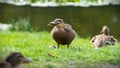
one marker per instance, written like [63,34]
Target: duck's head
[110,40]
[113,40]
[57,22]
[105,30]
[16,58]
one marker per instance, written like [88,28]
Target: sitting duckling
[62,33]
[13,60]
[103,39]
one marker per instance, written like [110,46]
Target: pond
[87,21]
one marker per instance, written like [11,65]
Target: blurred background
[86,16]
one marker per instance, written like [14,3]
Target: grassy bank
[38,47]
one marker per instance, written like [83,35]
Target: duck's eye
[60,20]
[112,39]
[18,55]
[57,22]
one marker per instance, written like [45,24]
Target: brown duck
[62,33]
[103,39]
[13,60]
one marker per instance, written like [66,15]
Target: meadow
[38,47]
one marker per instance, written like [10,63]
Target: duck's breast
[63,36]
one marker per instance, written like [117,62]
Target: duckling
[13,60]
[104,38]
[62,33]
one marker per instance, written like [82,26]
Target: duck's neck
[59,26]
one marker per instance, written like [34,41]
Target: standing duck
[62,33]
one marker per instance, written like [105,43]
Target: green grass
[36,45]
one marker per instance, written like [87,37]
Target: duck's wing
[67,27]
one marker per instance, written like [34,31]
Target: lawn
[38,46]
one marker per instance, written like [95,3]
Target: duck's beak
[51,23]
[26,60]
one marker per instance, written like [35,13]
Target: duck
[13,60]
[103,39]
[62,33]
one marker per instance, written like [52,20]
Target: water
[86,21]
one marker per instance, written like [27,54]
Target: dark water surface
[87,21]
